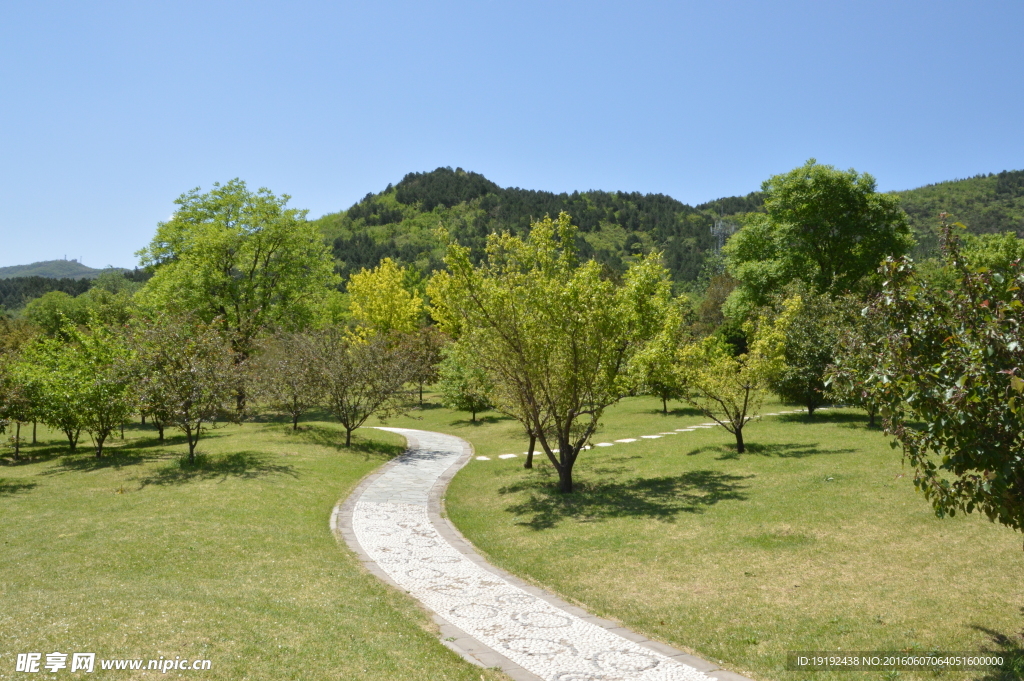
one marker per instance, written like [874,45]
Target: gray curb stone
[470,649]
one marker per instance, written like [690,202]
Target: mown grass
[814,539]
[141,555]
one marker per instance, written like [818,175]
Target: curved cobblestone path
[393,522]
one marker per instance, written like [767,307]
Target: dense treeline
[17,291]
[615,227]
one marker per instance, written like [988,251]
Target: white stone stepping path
[393,522]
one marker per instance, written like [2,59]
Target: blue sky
[110,110]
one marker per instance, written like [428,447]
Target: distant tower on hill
[722,230]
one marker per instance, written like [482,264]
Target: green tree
[812,337]
[858,353]
[824,226]
[83,382]
[655,369]
[463,384]
[50,368]
[727,388]
[949,383]
[360,376]
[53,310]
[381,300]
[554,336]
[184,373]
[240,260]
[284,375]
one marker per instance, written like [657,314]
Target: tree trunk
[143,419]
[72,439]
[160,429]
[565,479]
[122,431]
[664,406]
[192,442]
[348,437]
[295,421]
[100,438]
[529,454]
[421,393]
[871,417]
[739,441]
[474,416]
[810,409]
[33,432]
[17,440]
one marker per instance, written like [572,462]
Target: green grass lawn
[137,556]
[815,539]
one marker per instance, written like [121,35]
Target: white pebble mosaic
[392,525]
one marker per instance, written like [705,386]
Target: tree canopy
[553,335]
[824,226]
[240,258]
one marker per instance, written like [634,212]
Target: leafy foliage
[360,376]
[615,228]
[812,335]
[239,259]
[730,388]
[949,383]
[826,227]
[381,302]
[552,334]
[463,384]
[184,373]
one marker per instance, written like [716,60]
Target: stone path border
[405,491]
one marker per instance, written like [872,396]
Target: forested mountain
[984,203]
[401,221]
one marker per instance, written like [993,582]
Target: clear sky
[110,110]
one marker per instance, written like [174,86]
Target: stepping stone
[667,433]
[650,437]
[712,425]
[627,439]
[684,430]
[507,456]
[604,444]
[483,458]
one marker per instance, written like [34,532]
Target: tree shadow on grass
[244,465]
[334,438]
[1011,648]
[662,498]
[85,459]
[777,450]
[12,487]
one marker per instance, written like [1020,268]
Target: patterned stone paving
[392,524]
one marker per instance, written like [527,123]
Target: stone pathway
[393,522]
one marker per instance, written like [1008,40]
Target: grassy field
[138,556]
[814,539]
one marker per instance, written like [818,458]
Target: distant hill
[53,269]
[984,203]
[401,221]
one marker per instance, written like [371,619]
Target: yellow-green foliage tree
[554,335]
[381,300]
[730,389]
